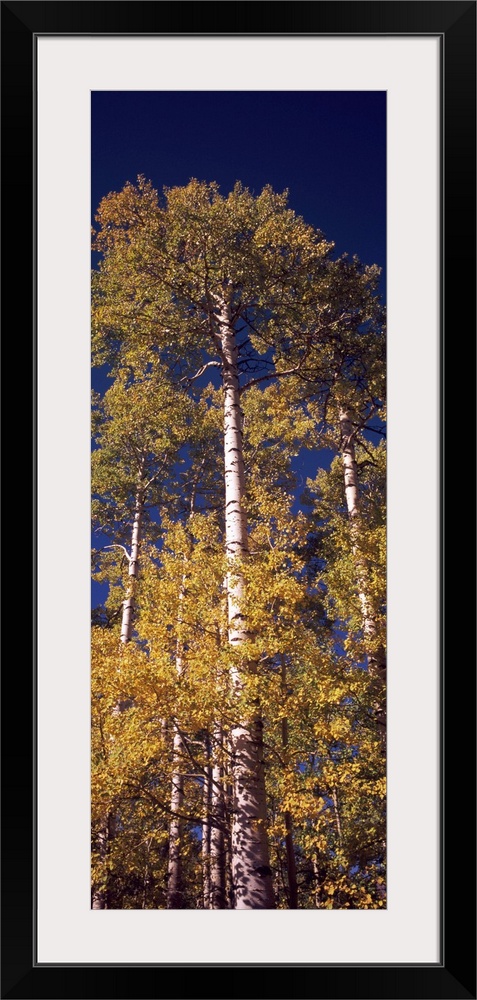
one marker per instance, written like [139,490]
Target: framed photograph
[394,84]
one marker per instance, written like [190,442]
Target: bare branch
[210,364]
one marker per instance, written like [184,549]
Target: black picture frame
[454,975]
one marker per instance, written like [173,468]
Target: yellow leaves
[380,788]
[342,892]
[120,213]
[340,728]
[297,598]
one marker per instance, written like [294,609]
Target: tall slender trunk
[250,855]
[316,872]
[128,603]
[291,863]
[99,901]
[175,884]
[336,812]
[175,896]
[217,838]
[145,881]
[376,656]
[228,800]
[290,848]
[206,809]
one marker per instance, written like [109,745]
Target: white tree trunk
[351,485]
[217,838]
[228,804]
[128,603]
[99,900]
[205,849]
[376,657]
[316,872]
[175,899]
[336,811]
[250,856]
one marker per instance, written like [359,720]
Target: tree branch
[210,364]
[126,553]
[275,374]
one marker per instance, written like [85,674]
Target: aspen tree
[239,287]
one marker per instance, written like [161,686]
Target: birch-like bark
[228,800]
[99,900]
[218,900]
[316,872]
[250,856]
[128,603]
[336,812]
[206,809]
[175,887]
[175,898]
[145,883]
[376,657]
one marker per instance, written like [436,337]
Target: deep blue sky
[327,147]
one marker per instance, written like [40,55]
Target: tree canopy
[238,665]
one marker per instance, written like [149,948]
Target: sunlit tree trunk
[228,801]
[175,897]
[175,887]
[376,655]
[101,896]
[128,603]
[250,854]
[99,899]
[316,872]
[217,838]
[145,883]
[206,809]
[336,811]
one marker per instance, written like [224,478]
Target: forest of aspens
[238,509]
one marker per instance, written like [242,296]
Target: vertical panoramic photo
[238,639]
